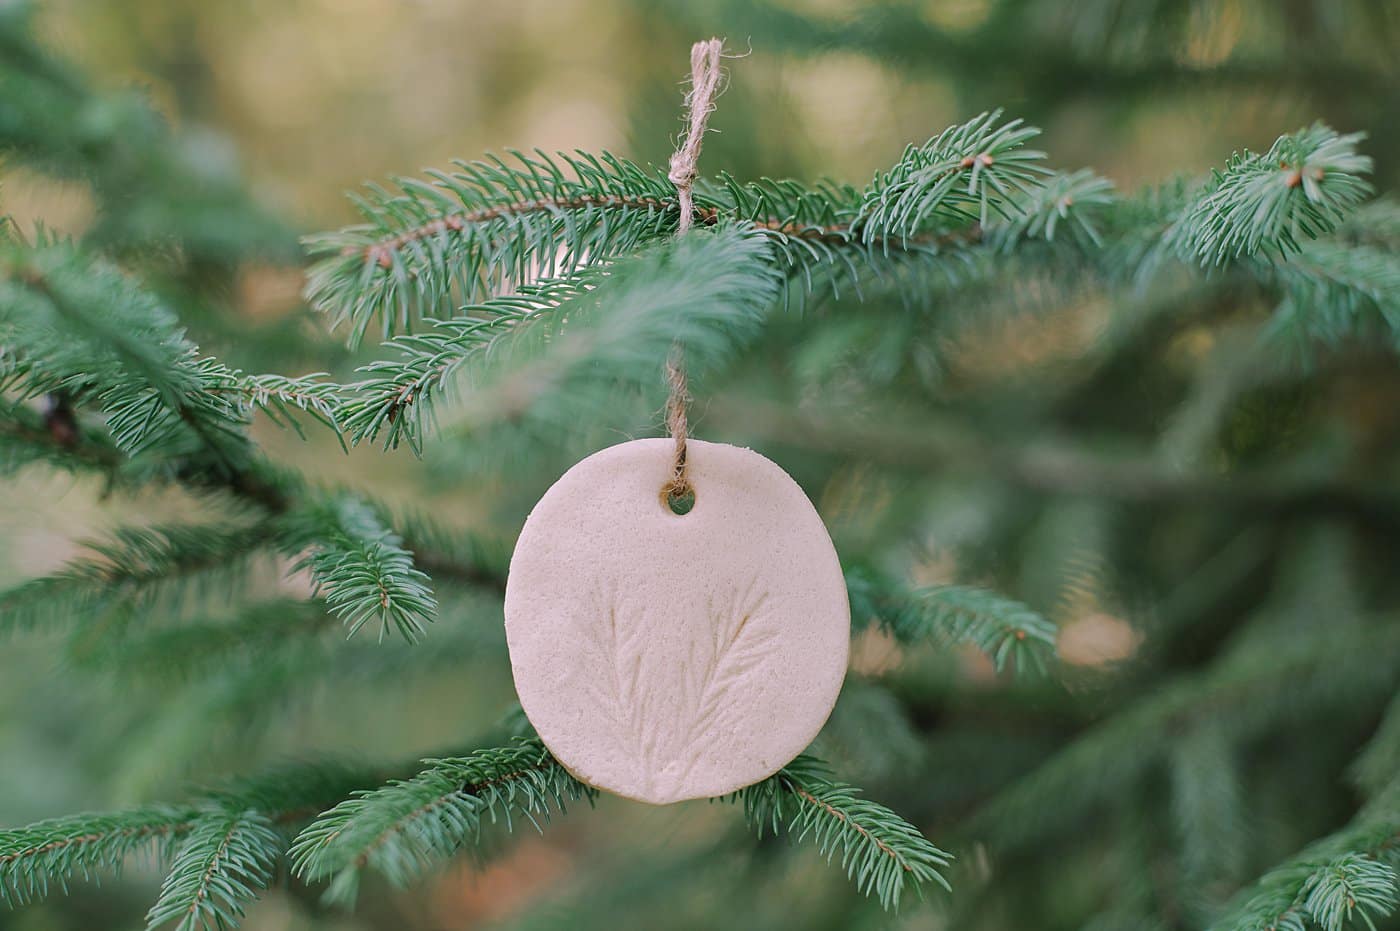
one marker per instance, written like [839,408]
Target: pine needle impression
[666,656]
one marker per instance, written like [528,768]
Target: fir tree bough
[1030,404]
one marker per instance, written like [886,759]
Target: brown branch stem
[841,816]
[835,233]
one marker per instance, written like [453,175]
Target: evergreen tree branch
[153,188]
[76,325]
[221,847]
[470,232]
[494,224]
[1003,629]
[1302,188]
[818,236]
[73,324]
[1074,205]
[406,827]
[1244,693]
[1350,873]
[27,436]
[1006,631]
[278,396]
[1379,761]
[136,569]
[396,397]
[604,326]
[223,861]
[165,404]
[365,570]
[57,851]
[965,174]
[881,852]
[1057,467]
[360,566]
[1334,292]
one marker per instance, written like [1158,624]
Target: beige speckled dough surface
[666,657]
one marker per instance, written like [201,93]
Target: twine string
[678,424]
[705,77]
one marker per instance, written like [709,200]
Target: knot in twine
[705,78]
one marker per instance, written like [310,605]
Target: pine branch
[816,238]
[1051,466]
[1303,187]
[805,221]
[1075,206]
[223,861]
[881,852]
[366,570]
[57,851]
[1379,761]
[153,190]
[469,233]
[966,174]
[221,848]
[28,436]
[76,325]
[600,330]
[1247,692]
[1350,873]
[360,566]
[1334,292]
[357,563]
[407,827]
[1003,629]
[136,569]
[466,236]
[201,649]
[278,396]
[396,397]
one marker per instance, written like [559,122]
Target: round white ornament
[664,656]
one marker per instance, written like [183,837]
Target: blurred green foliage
[1227,637]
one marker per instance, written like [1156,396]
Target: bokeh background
[305,99]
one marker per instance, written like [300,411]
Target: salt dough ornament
[663,656]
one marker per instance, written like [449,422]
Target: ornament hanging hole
[679,503]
